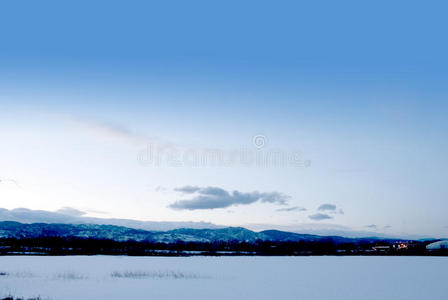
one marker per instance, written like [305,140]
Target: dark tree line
[81,246]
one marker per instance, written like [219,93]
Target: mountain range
[11,229]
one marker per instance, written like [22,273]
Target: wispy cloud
[330,209]
[110,130]
[293,208]
[320,217]
[327,207]
[215,197]
[188,189]
[13,181]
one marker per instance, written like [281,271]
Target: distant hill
[69,215]
[10,229]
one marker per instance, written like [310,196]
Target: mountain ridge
[13,229]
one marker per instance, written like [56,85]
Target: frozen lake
[112,277]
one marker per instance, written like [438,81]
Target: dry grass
[12,298]
[156,275]
[70,276]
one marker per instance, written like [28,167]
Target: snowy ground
[282,278]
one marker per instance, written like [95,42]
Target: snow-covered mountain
[10,229]
[69,215]
[438,245]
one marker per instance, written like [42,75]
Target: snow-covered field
[280,278]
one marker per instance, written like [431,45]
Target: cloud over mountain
[70,211]
[69,215]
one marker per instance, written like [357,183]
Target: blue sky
[356,90]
